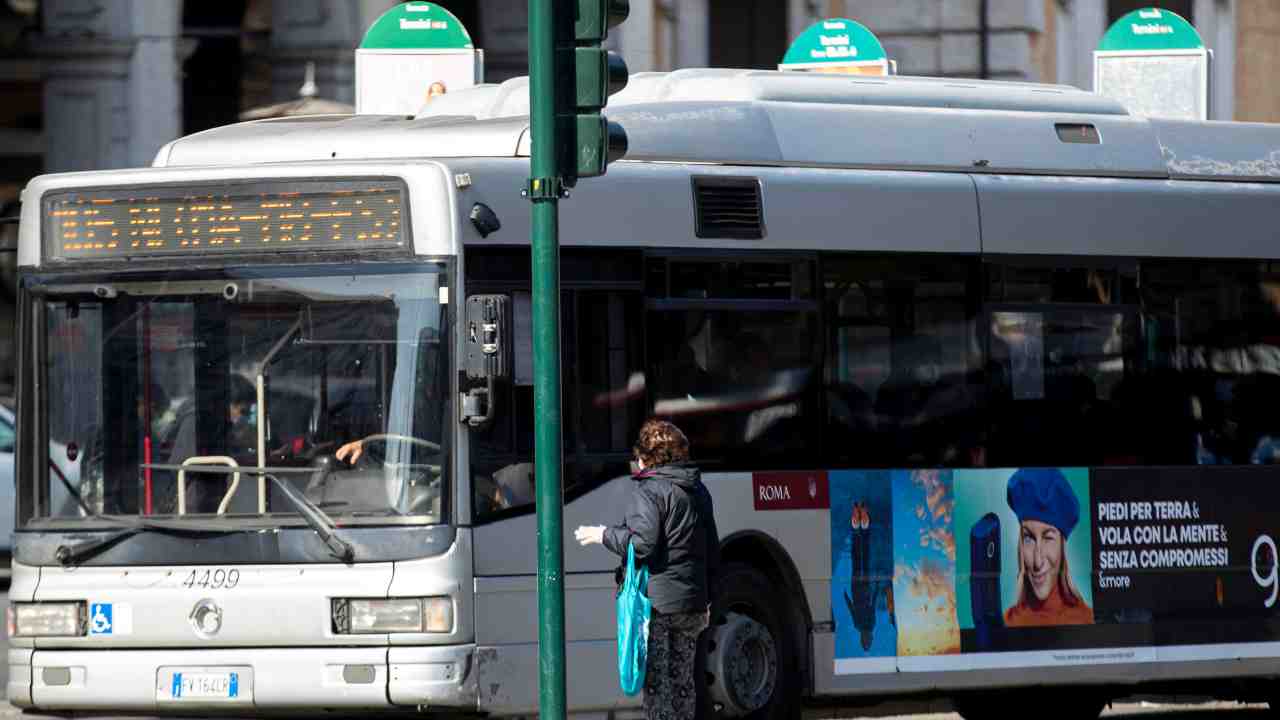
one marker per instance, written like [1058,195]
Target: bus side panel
[804,209]
[508,677]
[507,603]
[506,609]
[1110,217]
[804,533]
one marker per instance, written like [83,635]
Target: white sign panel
[400,82]
[1171,84]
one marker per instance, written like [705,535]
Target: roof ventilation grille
[728,207]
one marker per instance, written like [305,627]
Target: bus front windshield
[201,396]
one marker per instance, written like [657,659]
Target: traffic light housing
[597,74]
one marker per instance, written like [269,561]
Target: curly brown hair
[661,443]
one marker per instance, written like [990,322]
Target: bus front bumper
[264,679]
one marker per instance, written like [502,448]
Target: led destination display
[257,217]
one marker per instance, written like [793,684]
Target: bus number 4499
[212,579]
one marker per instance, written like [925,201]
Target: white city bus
[982,378]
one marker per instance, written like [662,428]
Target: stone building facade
[115,80]
[1032,40]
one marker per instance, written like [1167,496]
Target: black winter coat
[671,520]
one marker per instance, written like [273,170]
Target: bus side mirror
[487,355]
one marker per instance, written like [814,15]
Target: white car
[6,486]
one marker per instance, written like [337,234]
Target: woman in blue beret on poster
[1047,510]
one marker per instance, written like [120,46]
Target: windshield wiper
[127,527]
[75,494]
[317,519]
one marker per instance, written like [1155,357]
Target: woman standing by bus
[670,521]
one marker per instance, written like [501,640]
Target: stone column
[1257,86]
[1080,26]
[695,34]
[909,29]
[800,15]
[1215,20]
[113,93]
[635,37]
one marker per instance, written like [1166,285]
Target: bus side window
[903,385]
[734,354]
[1212,342]
[1062,360]
[605,381]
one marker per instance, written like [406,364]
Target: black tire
[745,591]
[1064,703]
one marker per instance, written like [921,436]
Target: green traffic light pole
[570,79]
[544,190]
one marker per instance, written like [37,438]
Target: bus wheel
[752,673]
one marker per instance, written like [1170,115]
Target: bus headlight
[363,616]
[52,619]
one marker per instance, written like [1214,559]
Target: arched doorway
[213,73]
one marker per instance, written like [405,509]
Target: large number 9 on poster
[1269,562]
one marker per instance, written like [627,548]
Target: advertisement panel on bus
[942,569]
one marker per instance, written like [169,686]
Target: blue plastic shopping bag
[633,626]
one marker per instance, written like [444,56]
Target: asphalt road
[1137,710]
[1146,711]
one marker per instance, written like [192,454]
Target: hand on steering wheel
[354,449]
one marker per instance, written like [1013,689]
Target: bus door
[603,403]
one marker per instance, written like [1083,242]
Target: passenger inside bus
[737,383]
[174,442]
[922,409]
[752,374]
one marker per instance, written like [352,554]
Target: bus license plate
[206,685]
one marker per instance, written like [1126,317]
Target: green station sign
[1151,29]
[1155,64]
[417,26]
[837,45]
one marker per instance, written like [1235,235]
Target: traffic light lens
[597,74]
[617,142]
[596,17]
